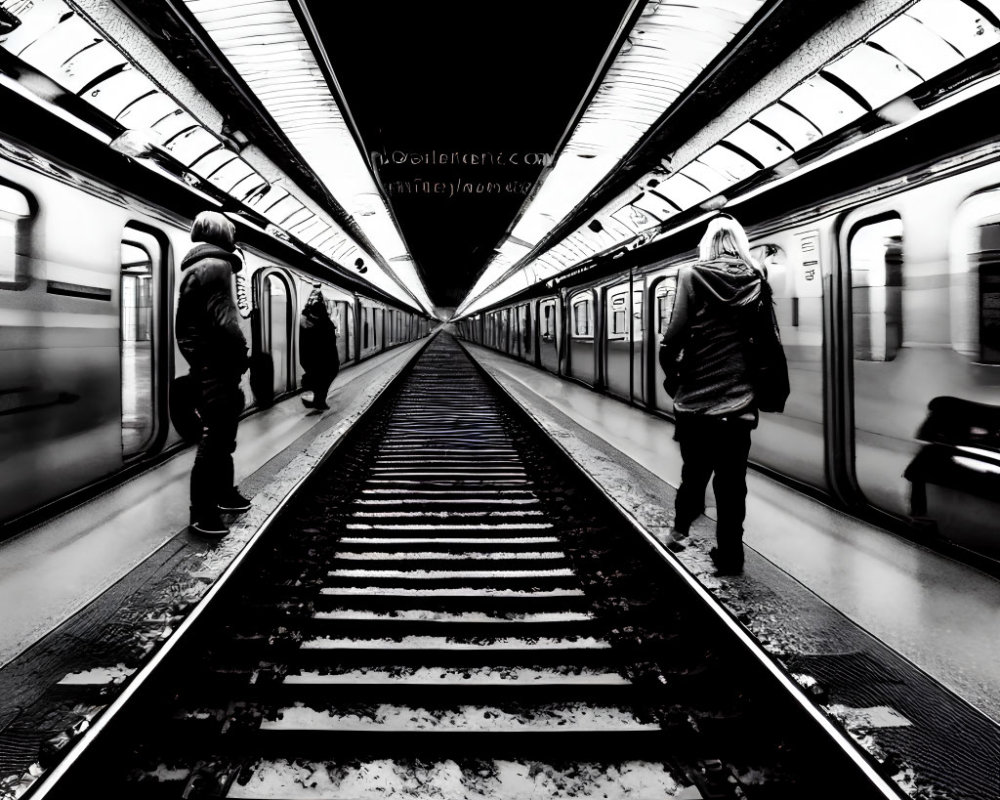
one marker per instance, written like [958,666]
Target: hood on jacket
[315,309]
[202,251]
[727,282]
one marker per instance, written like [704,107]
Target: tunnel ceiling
[426,122]
[459,106]
[446,96]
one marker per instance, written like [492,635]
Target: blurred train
[91,380]
[885,266]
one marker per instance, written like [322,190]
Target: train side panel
[61,424]
[920,276]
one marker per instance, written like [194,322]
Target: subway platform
[894,641]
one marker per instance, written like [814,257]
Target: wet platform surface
[895,641]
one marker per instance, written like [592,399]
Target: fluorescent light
[72,53]
[948,31]
[263,41]
[668,47]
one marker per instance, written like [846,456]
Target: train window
[136,343]
[876,263]
[583,320]
[617,314]
[974,317]
[14,207]
[350,332]
[666,290]
[548,320]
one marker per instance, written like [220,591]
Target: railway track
[448,613]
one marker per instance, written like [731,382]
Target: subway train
[93,387]
[885,267]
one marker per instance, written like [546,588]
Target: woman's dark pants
[716,445]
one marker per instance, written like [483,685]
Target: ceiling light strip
[59,40]
[670,44]
[263,41]
[815,107]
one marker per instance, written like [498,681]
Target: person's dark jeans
[716,445]
[220,404]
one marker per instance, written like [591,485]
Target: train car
[92,382]
[886,290]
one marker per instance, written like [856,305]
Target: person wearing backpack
[707,358]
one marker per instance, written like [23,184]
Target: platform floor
[88,594]
[941,614]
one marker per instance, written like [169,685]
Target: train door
[378,328]
[617,341]
[505,329]
[662,290]
[352,332]
[871,432]
[524,332]
[275,305]
[637,332]
[582,343]
[341,318]
[623,341]
[141,300]
[366,328]
[548,340]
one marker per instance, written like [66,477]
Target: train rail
[448,611]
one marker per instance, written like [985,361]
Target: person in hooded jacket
[211,341]
[317,349]
[714,404]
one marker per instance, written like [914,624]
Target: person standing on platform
[210,339]
[704,349]
[317,350]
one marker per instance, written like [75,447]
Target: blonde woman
[714,402]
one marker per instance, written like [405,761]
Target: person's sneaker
[209,524]
[726,565]
[234,502]
[308,403]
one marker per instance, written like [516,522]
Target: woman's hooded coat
[318,341]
